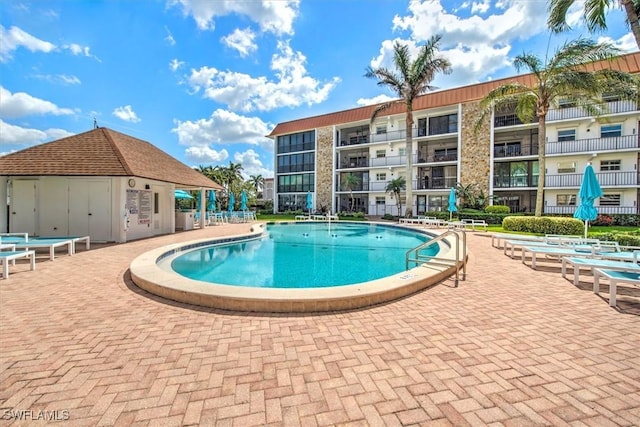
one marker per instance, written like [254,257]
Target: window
[422,127]
[565,103]
[381,176]
[381,153]
[609,165]
[380,201]
[156,203]
[443,124]
[402,151]
[567,135]
[610,200]
[610,131]
[566,200]
[566,167]
[381,129]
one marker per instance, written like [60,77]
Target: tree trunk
[409,163]
[542,136]
[632,17]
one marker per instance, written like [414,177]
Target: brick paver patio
[509,346]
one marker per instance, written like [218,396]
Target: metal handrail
[436,260]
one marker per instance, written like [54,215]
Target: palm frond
[530,62]
[595,12]
[381,108]
[557,21]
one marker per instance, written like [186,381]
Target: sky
[207,80]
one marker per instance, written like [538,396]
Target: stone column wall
[324,166]
[475,164]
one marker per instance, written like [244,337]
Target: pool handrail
[435,260]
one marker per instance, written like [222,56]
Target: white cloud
[174,65]
[126,113]
[169,38]
[239,91]
[272,16]
[78,50]
[62,79]
[375,100]
[11,134]
[626,43]
[14,37]
[476,46]
[251,164]
[223,127]
[21,104]
[480,7]
[242,41]
[205,155]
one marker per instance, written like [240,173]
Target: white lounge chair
[51,244]
[12,256]
[566,251]
[592,264]
[615,277]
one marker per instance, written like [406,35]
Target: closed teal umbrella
[232,201]
[452,203]
[589,191]
[243,201]
[211,202]
[309,202]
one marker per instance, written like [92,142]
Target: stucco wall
[324,166]
[475,153]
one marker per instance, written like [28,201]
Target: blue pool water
[305,255]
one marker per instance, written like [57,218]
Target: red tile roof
[628,63]
[102,152]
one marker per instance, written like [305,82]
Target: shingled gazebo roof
[102,152]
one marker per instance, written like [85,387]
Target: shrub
[498,209]
[623,238]
[388,216]
[543,225]
[603,220]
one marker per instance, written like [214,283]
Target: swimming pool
[304,255]
[149,272]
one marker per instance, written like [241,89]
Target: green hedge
[498,209]
[623,238]
[543,225]
[623,220]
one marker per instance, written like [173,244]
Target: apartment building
[323,154]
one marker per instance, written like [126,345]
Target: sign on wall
[139,203]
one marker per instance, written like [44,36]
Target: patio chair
[592,264]
[615,277]
[48,243]
[6,256]
[573,251]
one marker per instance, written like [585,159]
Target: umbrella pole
[586,227]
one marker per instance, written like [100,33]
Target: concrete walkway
[510,346]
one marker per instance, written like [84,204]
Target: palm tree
[594,15]
[564,76]
[349,182]
[409,80]
[395,187]
[258,182]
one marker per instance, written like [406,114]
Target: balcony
[512,150]
[607,210]
[613,107]
[520,181]
[593,145]
[360,162]
[606,179]
[437,183]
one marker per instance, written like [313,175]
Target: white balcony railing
[606,179]
[593,144]
[608,210]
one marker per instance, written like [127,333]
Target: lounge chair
[593,263]
[615,277]
[50,243]
[586,245]
[12,256]
[567,251]
[75,239]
